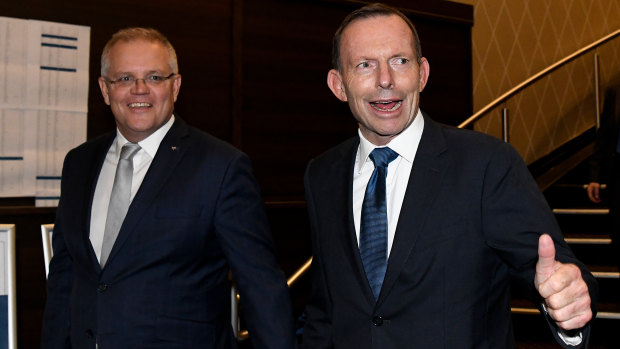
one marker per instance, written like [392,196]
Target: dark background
[254,74]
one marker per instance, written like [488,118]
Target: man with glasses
[152,218]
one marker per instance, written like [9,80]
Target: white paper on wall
[43,104]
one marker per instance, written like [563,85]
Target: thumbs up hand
[561,286]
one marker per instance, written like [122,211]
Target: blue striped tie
[374,225]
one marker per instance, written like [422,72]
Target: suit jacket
[469,223]
[197,214]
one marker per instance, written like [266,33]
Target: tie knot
[381,157]
[129,150]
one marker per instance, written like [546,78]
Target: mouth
[139,105]
[389,105]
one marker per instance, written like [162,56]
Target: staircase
[586,228]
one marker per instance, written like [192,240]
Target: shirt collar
[151,143]
[405,144]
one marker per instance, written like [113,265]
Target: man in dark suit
[605,163]
[417,228]
[195,214]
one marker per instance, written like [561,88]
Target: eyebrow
[150,72]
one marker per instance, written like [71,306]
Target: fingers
[569,304]
[554,286]
[594,192]
[575,322]
[562,287]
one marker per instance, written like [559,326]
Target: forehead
[138,55]
[374,34]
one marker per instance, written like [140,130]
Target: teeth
[138,105]
[396,106]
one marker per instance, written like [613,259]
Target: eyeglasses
[128,80]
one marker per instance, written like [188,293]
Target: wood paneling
[289,115]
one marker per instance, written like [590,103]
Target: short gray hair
[371,11]
[133,34]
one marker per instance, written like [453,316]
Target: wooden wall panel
[289,115]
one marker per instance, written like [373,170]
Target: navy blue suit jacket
[469,223]
[197,215]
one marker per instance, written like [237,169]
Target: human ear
[104,90]
[176,86]
[425,70]
[334,81]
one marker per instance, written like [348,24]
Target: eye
[401,61]
[155,78]
[363,65]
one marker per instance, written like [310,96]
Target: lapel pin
[173,148]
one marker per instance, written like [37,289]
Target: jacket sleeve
[515,214]
[243,232]
[56,319]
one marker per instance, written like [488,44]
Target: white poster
[43,104]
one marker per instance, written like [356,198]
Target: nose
[386,80]
[140,87]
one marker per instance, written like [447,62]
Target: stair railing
[243,334]
[543,73]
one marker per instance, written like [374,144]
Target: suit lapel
[340,202]
[350,243]
[169,153]
[99,154]
[427,173]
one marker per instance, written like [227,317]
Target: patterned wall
[512,40]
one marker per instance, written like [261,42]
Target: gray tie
[119,199]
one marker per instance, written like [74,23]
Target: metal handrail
[244,334]
[301,271]
[537,77]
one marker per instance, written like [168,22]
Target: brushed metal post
[597,92]
[505,126]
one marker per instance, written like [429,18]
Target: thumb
[546,258]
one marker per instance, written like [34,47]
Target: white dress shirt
[141,163]
[406,145]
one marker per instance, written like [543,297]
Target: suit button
[90,334]
[102,288]
[377,321]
